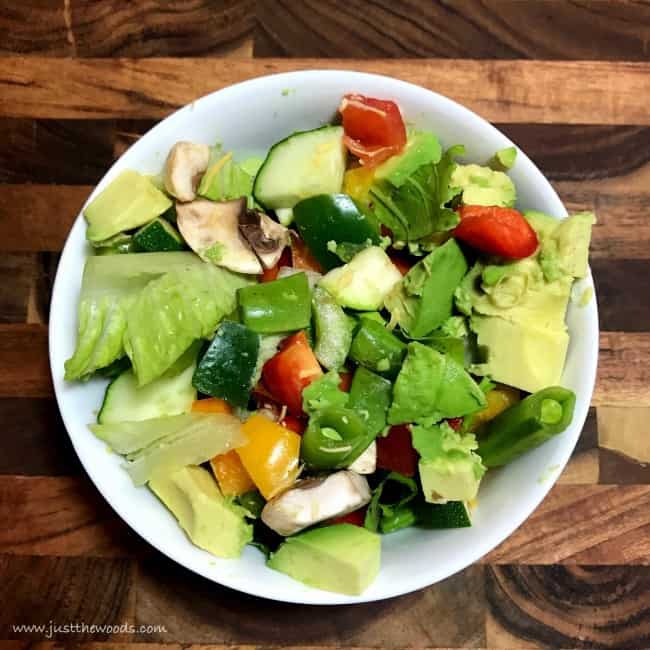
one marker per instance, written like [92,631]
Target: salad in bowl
[313,348]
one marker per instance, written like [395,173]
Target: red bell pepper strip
[395,452]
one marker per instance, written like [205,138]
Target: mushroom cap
[265,236]
[185,164]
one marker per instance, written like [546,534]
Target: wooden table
[568,81]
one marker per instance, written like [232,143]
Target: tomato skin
[297,425]
[455,423]
[292,369]
[356,518]
[346,381]
[374,128]
[268,275]
[395,452]
[496,231]
[301,256]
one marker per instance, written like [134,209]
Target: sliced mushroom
[266,237]
[211,230]
[312,500]
[367,462]
[186,163]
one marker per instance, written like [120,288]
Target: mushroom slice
[312,500]
[266,237]
[211,230]
[186,163]
[367,462]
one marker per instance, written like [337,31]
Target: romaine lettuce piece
[173,311]
[225,179]
[109,287]
[324,393]
[157,448]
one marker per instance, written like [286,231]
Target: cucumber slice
[305,164]
[170,394]
[158,236]
[453,514]
[227,368]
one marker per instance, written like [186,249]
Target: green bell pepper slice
[377,348]
[526,425]
[279,306]
[332,217]
[335,438]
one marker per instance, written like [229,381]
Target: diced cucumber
[158,236]
[117,245]
[333,330]
[303,165]
[171,394]
[453,514]
[227,368]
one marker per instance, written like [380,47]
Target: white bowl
[247,118]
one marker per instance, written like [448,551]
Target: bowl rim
[489,542]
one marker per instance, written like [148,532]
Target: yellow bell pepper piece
[357,182]
[498,400]
[271,455]
[231,475]
[211,405]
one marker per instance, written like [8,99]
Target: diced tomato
[496,231]
[356,518]
[374,128]
[395,452]
[455,423]
[302,257]
[402,263]
[268,275]
[346,381]
[290,371]
[297,425]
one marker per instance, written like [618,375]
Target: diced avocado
[341,558]
[158,236]
[542,223]
[521,354]
[449,468]
[129,201]
[573,235]
[210,521]
[364,282]
[423,300]
[432,386]
[503,159]
[421,148]
[484,186]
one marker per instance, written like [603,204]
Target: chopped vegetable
[290,371]
[231,474]
[323,393]
[279,306]
[395,451]
[211,405]
[526,425]
[370,397]
[333,329]
[377,349]
[185,164]
[270,456]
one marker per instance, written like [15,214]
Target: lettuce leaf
[324,393]
[109,288]
[225,179]
[173,311]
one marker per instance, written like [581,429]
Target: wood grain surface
[568,81]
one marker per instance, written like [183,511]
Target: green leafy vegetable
[394,492]
[324,393]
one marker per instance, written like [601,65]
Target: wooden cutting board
[569,82]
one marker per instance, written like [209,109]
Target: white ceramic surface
[248,118]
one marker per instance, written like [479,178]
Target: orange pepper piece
[271,455]
[211,405]
[231,475]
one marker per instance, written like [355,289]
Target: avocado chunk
[342,558]
[422,148]
[364,282]
[449,468]
[423,300]
[129,201]
[484,186]
[211,521]
[432,386]
[504,159]
[520,354]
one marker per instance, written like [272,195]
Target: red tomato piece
[268,275]
[395,452]
[496,231]
[302,257]
[374,128]
[292,369]
[346,381]
[297,425]
[402,263]
[455,423]
[356,518]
